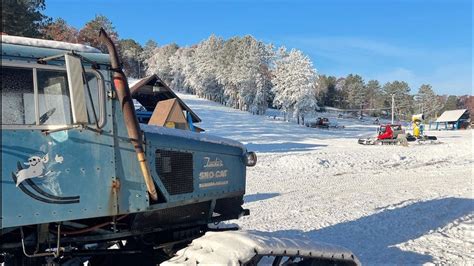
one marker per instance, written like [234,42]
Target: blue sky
[412,40]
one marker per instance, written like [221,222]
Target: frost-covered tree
[340,99]
[178,78]
[159,62]
[130,52]
[262,94]
[244,71]
[202,73]
[427,101]
[280,82]
[148,50]
[294,81]
[240,72]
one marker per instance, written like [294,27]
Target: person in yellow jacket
[416,129]
[417,126]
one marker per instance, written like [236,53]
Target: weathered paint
[100,170]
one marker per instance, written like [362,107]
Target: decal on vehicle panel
[37,168]
[213,168]
[209,163]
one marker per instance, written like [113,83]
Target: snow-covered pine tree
[148,51]
[226,60]
[294,84]
[130,52]
[249,72]
[180,68]
[340,100]
[159,64]
[280,82]
[203,77]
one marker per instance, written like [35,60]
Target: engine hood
[188,140]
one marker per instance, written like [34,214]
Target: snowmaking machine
[418,131]
[84,181]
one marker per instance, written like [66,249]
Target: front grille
[175,170]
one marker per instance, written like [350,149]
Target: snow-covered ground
[388,204]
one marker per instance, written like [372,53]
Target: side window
[18,106]
[53,98]
[94,89]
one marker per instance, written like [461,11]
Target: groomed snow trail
[388,204]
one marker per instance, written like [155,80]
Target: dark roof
[143,91]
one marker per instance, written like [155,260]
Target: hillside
[388,204]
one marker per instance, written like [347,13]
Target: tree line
[240,72]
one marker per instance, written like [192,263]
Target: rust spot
[113,202]
[116,185]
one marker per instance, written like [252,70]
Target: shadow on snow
[282,147]
[373,238]
[259,196]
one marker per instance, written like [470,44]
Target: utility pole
[393,107]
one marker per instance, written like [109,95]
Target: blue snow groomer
[73,172]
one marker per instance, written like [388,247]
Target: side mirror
[76,89]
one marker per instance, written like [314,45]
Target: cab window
[51,105]
[53,98]
[18,106]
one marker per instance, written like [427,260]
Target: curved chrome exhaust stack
[128,110]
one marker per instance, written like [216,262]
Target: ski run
[387,204]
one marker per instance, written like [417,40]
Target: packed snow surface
[387,204]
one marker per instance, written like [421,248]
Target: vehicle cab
[66,154]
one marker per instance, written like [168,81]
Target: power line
[362,109]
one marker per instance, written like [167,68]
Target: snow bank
[49,44]
[237,247]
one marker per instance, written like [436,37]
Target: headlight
[250,158]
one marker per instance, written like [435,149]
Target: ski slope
[388,204]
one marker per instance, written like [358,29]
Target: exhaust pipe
[128,110]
